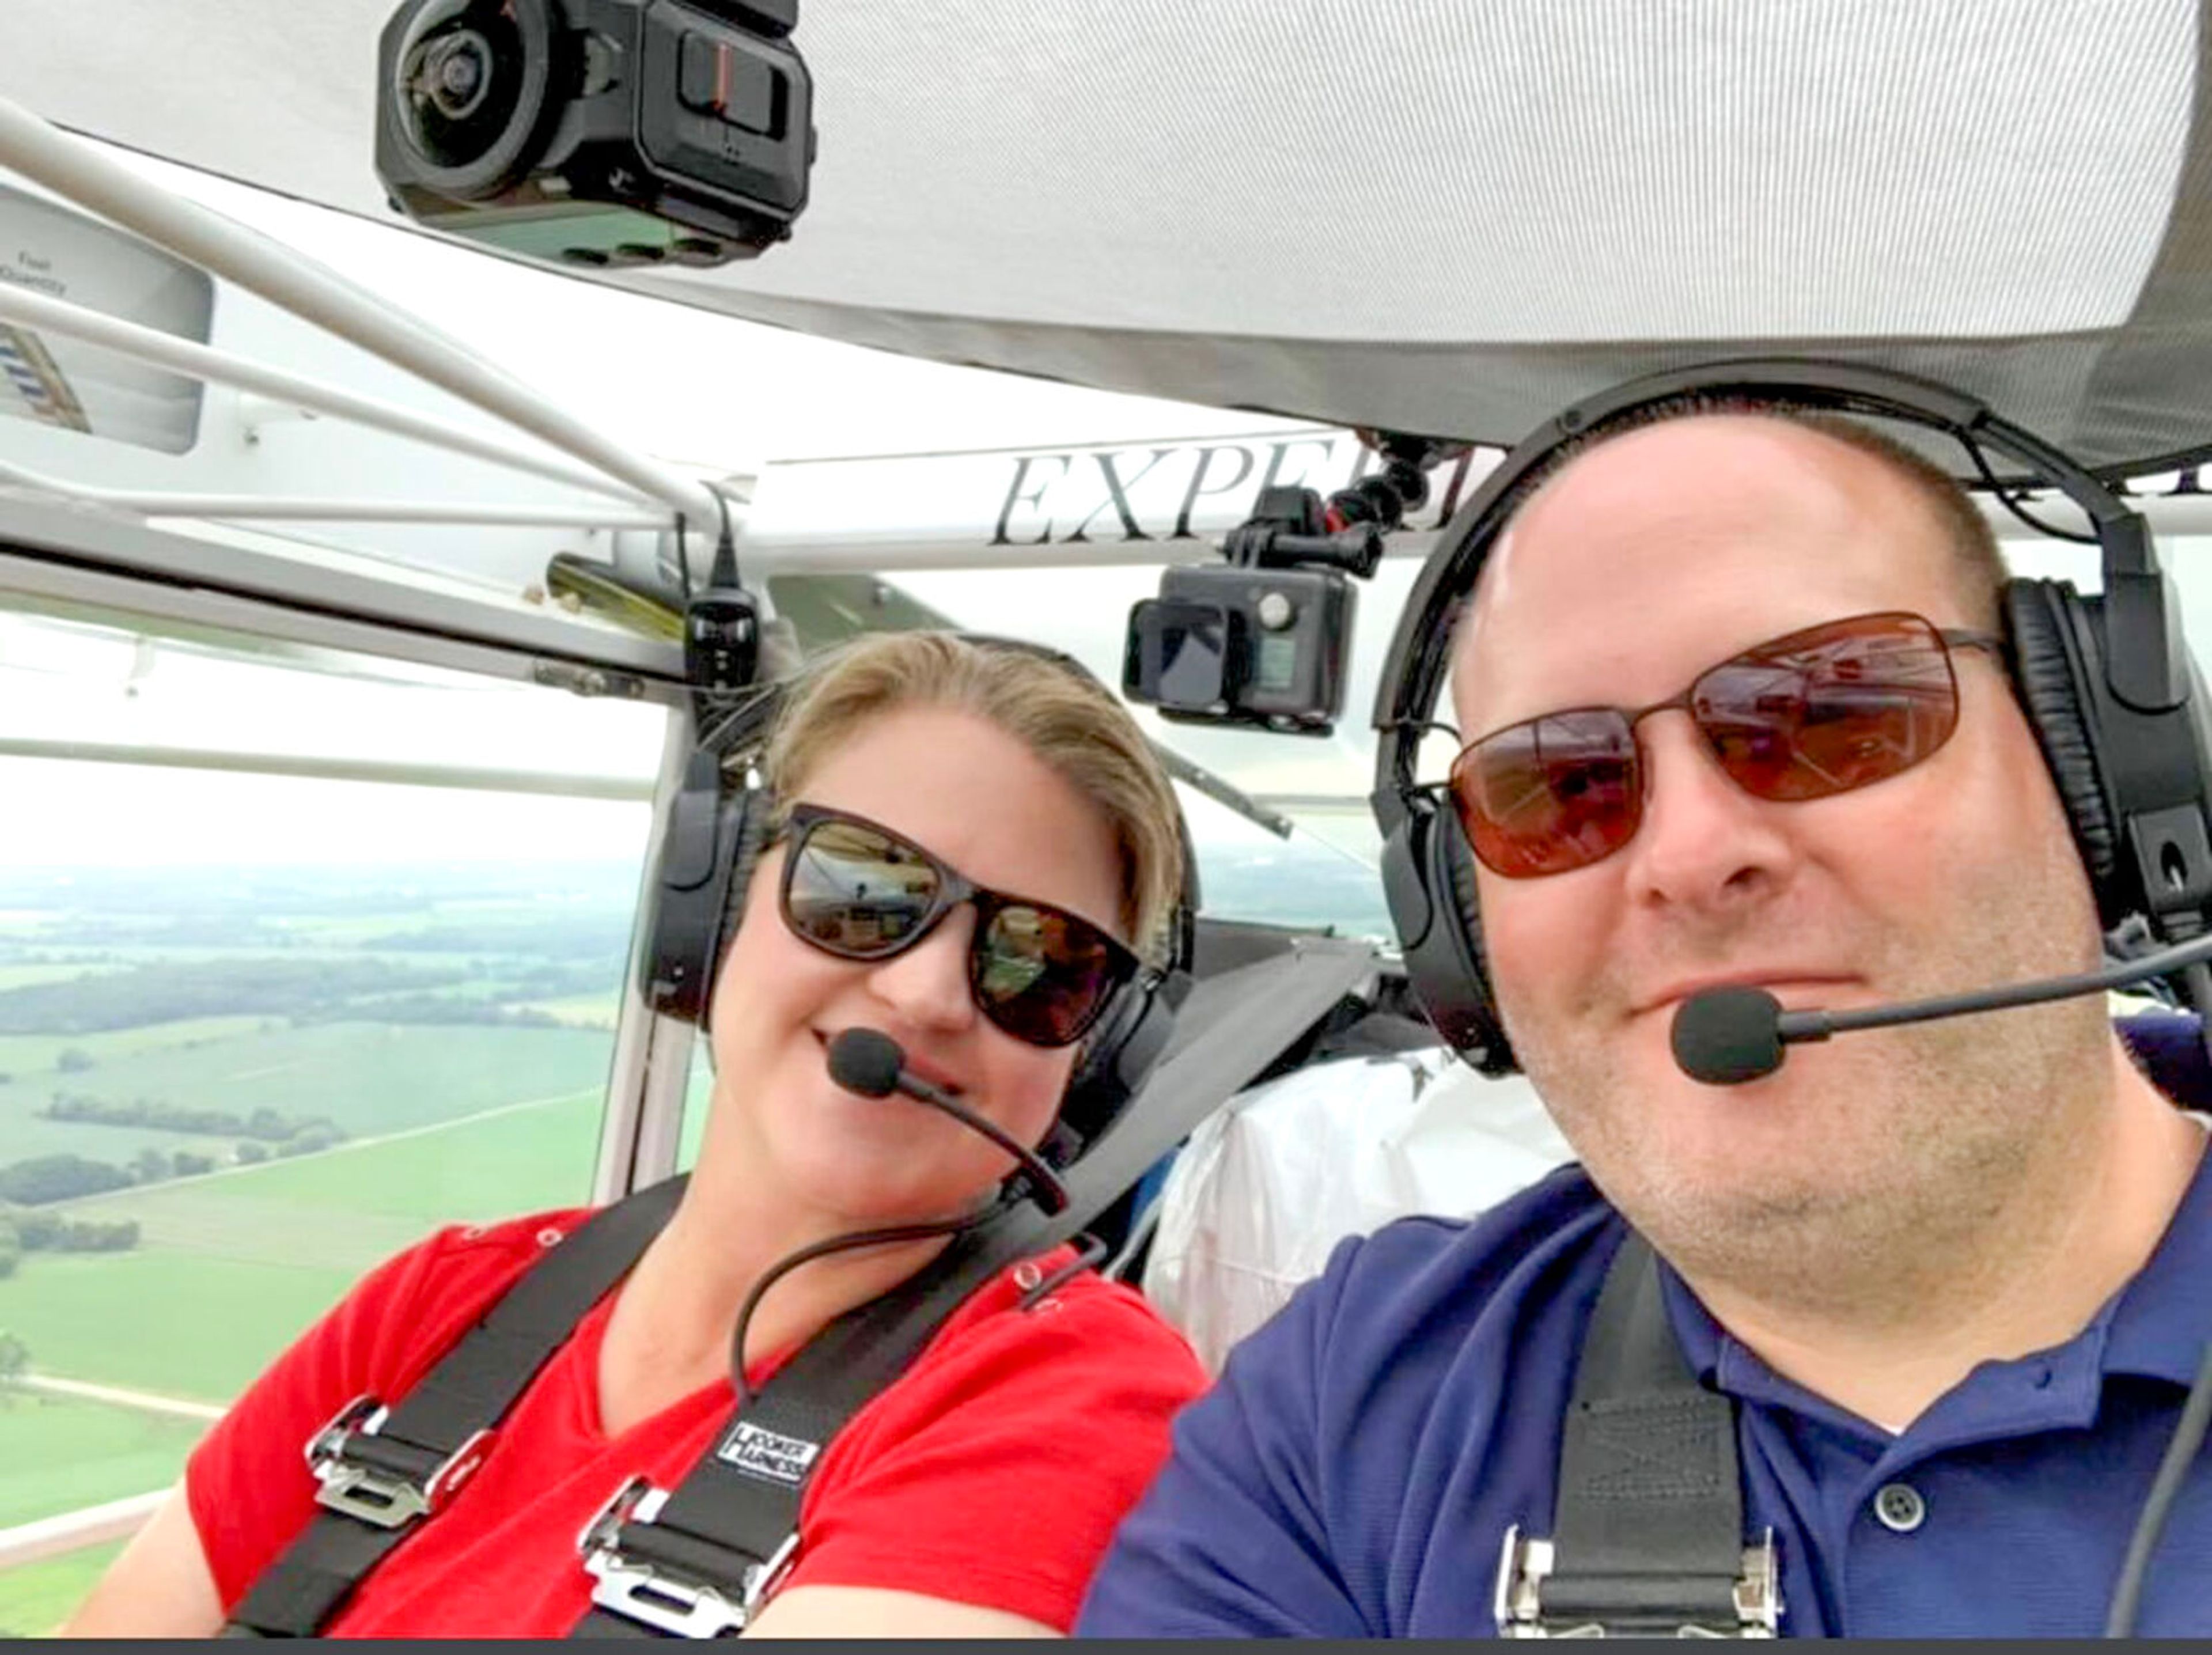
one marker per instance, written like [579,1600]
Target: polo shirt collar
[2156,1326]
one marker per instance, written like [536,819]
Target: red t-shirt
[992,1472]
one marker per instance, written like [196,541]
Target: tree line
[269,1125]
[307,991]
[45,1180]
[24,1232]
[299,991]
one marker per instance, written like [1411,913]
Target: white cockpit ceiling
[1445,216]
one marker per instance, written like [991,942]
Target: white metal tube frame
[404,773]
[22,306]
[243,506]
[91,1525]
[81,173]
[649,1077]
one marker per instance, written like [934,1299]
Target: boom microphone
[1724,1036]
[869,1062]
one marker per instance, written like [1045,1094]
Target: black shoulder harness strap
[1648,1531]
[383,1471]
[696,1560]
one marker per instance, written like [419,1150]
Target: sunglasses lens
[1814,714]
[1554,793]
[855,892]
[1822,712]
[1042,976]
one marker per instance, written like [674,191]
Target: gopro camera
[600,132]
[1243,647]
[1265,639]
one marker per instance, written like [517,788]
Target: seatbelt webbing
[469,1389]
[1648,1531]
[738,1507]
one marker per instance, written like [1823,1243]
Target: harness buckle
[1525,1562]
[654,1595]
[382,1498]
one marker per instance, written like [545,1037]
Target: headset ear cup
[753,825]
[1091,1101]
[1117,1056]
[746,830]
[693,875]
[1428,880]
[2049,633]
[1465,920]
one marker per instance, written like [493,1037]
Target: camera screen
[1275,663]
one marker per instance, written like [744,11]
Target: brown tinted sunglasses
[1838,706]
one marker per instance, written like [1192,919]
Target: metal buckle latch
[383,1498]
[1525,1563]
[649,1593]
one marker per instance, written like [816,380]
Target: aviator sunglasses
[859,891]
[1807,715]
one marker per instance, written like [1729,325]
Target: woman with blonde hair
[975,851]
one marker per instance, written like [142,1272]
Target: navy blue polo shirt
[1355,1470]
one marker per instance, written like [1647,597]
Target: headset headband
[2145,665]
[1184,938]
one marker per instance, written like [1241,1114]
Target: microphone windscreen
[866,1061]
[1724,1036]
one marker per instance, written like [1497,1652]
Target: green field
[524,1156]
[26,1056]
[446,1123]
[176,1323]
[372,1079]
[35,1600]
[232,1267]
[58,1454]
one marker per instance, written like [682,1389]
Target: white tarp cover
[1267,1188]
[1446,216]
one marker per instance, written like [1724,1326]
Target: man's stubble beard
[1928,1146]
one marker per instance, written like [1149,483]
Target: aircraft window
[1325,874]
[259,1031]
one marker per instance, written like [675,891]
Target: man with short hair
[1955,1277]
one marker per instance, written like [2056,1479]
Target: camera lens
[459,80]
[456,73]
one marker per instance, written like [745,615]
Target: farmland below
[224,1094]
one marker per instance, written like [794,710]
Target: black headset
[2117,704]
[715,834]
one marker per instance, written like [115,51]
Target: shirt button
[1900,1507]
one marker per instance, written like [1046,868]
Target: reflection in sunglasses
[1818,712]
[859,891]
[1005,975]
